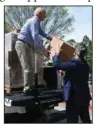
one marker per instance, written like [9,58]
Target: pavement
[53,116]
[61,107]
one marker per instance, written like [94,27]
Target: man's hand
[46,53]
[52,36]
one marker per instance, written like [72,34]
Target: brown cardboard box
[62,48]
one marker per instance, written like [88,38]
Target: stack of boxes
[13,69]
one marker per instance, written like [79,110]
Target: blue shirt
[31,31]
[76,79]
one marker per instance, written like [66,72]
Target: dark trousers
[73,111]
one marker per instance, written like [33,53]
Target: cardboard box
[62,48]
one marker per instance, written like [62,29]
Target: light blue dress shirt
[31,31]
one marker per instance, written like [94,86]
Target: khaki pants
[25,56]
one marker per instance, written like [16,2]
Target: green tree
[58,20]
[88,43]
[86,40]
[89,57]
[72,42]
[7,28]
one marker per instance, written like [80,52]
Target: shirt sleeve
[63,65]
[34,27]
[42,33]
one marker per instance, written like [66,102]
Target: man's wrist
[49,37]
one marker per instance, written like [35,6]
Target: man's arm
[42,33]
[63,65]
[34,27]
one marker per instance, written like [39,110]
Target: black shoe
[30,91]
[27,91]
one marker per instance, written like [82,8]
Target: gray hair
[38,11]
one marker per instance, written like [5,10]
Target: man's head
[81,51]
[40,12]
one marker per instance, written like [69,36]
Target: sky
[83,23]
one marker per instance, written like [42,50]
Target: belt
[24,42]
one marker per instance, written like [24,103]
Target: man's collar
[37,17]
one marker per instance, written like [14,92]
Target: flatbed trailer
[33,109]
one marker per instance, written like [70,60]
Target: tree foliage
[88,44]
[7,27]
[72,42]
[58,20]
